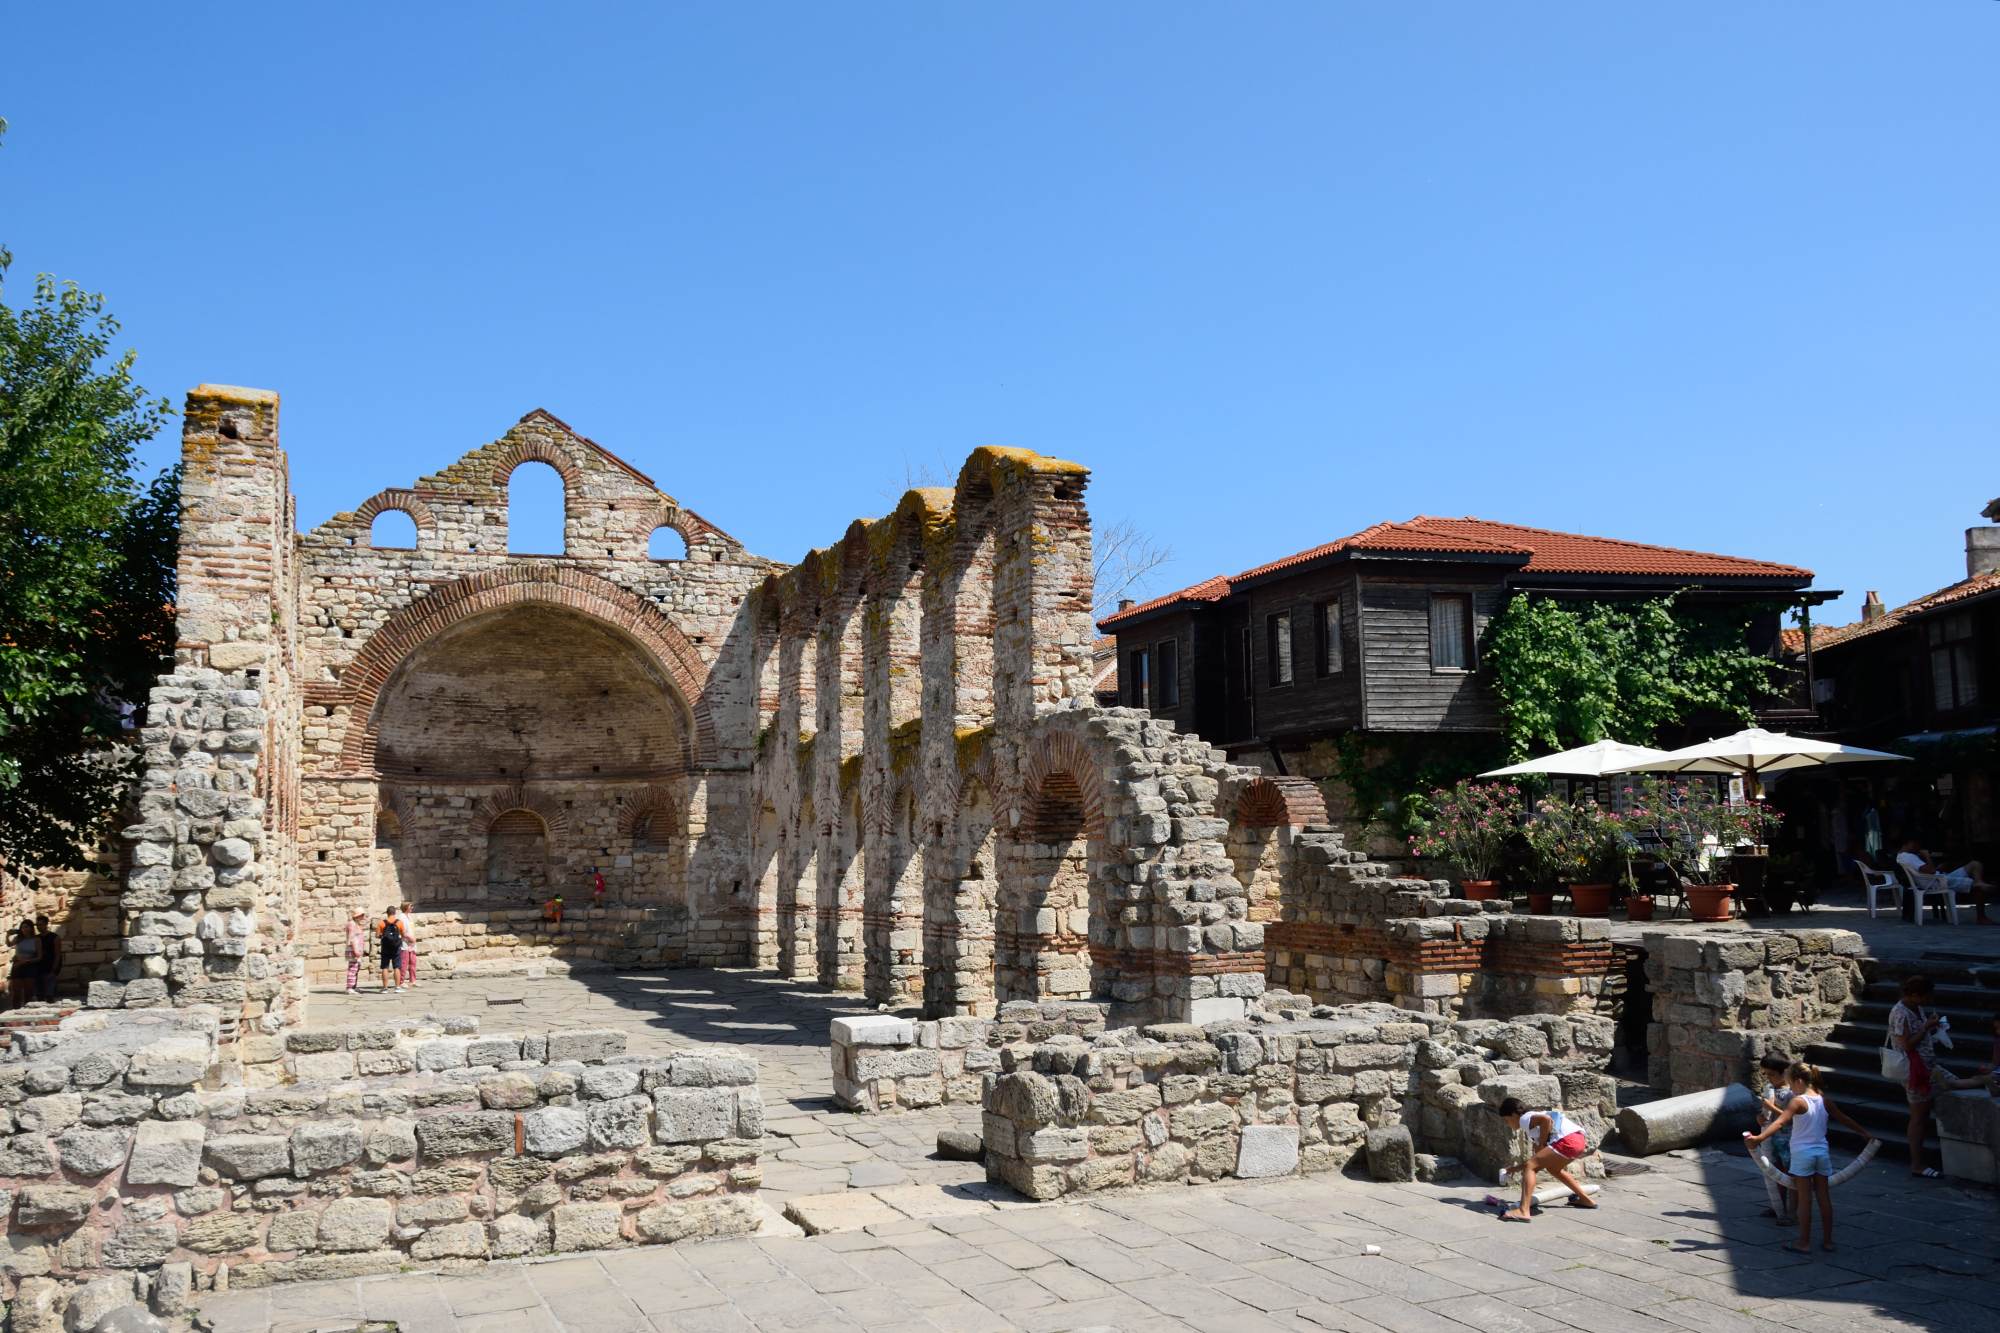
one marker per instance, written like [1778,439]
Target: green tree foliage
[86,571]
[1572,674]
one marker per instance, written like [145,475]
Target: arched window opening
[653,831]
[666,544]
[535,510]
[388,828]
[393,530]
[1055,815]
[517,852]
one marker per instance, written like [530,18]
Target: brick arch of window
[400,502]
[362,684]
[512,806]
[1288,801]
[538,451]
[650,819]
[1061,793]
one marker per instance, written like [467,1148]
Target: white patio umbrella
[1586,761]
[1756,751]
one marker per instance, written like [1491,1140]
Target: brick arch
[1271,802]
[650,804]
[693,528]
[496,803]
[521,450]
[407,502]
[1061,752]
[519,585]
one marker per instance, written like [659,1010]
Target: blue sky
[1713,276]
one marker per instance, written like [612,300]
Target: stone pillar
[210,900]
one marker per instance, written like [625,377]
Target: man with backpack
[392,953]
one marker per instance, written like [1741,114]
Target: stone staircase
[1968,991]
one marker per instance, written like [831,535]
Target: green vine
[1571,674]
[1389,775]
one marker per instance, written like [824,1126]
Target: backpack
[392,934]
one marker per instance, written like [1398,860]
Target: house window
[1451,631]
[1278,635]
[1135,678]
[1954,683]
[1327,615]
[1169,686]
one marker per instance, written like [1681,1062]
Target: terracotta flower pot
[1477,890]
[1709,902]
[1541,904]
[1638,909]
[1590,899]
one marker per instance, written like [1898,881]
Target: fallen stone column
[1682,1122]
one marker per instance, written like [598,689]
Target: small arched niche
[517,853]
[393,530]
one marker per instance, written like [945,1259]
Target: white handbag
[1895,1060]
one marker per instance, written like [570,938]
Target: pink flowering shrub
[1690,825]
[1468,826]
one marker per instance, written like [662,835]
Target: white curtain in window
[1449,646]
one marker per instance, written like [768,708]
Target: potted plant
[1579,844]
[1690,826]
[1468,826]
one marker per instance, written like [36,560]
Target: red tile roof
[1824,638]
[1547,553]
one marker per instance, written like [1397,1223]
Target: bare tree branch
[1123,561]
[917,476]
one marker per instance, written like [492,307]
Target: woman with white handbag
[1910,1058]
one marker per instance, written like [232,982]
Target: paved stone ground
[1679,1249]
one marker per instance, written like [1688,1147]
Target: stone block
[356,1223]
[621,1123]
[585,1226]
[871,1062]
[172,1288]
[54,1205]
[515,1236]
[1392,1153]
[238,1156]
[1267,1150]
[492,1051]
[292,1232]
[443,1053]
[1054,1145]
[554,1131]
[510,1091]
[92,1152]
[873,1030]
[324,1146]
[608,1082]
[23,1256]
[229,1233]
[588,1046]
[464,1240]
[325,1066]
[95,1299]
[391,1141]
[693,1115]
[456,1133]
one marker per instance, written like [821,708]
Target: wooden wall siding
[1311,702]
[1404,694]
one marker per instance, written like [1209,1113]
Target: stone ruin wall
[1724,1000]
[127,1179]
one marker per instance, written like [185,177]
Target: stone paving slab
[1680,1249]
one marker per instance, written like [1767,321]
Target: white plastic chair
[1933,886]
[1874,882]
